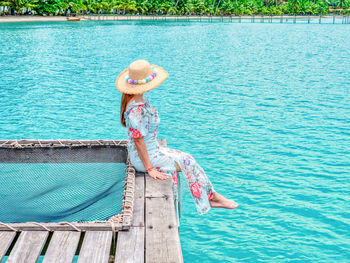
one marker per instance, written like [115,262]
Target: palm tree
[19,5]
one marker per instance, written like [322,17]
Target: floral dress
[142,120]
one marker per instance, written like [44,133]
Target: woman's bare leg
[217,200]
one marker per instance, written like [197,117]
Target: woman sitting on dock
[145,153]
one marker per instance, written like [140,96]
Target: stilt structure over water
[289,19]
[146,230]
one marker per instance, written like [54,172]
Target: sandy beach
[7,19]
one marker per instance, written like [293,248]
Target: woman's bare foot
[217,200]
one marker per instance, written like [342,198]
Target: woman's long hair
[125,99]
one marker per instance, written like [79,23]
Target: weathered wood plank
[28,247]
[6,238]
[96,247]
[158,188]
[139,200]
[62,247]
[162,235]
[63,227]
[130,246]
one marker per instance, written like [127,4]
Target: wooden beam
[162,234]
[63,227]
[158,188]
[62,247]
[28,247]
[130,244]
[139,201]
[6,238]
[96,247]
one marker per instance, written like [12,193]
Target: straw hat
[140,77]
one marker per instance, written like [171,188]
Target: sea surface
[264,108]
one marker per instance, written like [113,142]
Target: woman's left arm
[143,153]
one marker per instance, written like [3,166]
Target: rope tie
[40,143]
[113,227]
[81,143]
[16,144]
[10,227]
[131,192]
[71,224]
[129,212]
[100,143]
[4,143]
[39,224]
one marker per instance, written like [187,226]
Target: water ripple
[263,108]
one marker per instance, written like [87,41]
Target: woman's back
[142,120]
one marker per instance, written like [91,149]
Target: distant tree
[19,5]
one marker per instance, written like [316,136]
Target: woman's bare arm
[143,153]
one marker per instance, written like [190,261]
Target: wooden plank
[162,234]
[6,238]
[62,227]
[158,188]
[28,247]
[139,200]
[130,246]
[62,247]
[96,247]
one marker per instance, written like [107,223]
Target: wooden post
[319,21]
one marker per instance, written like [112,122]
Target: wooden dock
[152,237]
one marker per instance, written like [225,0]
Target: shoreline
[33,18]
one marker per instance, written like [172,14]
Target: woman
[145,153]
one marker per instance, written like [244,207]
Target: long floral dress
[143,120]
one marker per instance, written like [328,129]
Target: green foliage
[46,7]
[19,5]
[180,7]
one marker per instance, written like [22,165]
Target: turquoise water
[264,109]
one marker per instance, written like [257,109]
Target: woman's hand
[142,151]
[157,175]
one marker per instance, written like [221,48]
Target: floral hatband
[142,81]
